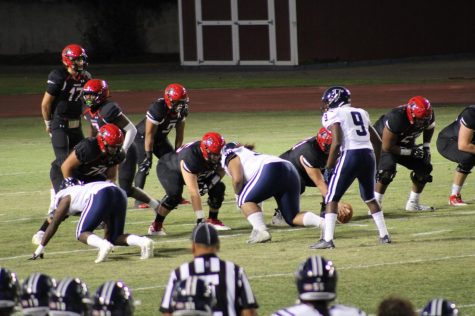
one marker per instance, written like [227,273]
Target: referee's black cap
[205,234]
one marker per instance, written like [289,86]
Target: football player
[196,165]
[101,110]
[162,116]
[257,177]
[439,307]
[93,159]
[351,157]
[309,157]
[9,292]
[456,143]
[61,107]
[399,129]
[34,294]
[316,280]
[192,296]
[96,202]
[69,297]
[113,298]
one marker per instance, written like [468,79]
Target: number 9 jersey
[354,123]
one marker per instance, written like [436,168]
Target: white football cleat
[259,236]
[146,248]
[37,237]
[104,251]
[278,219]
[413,206]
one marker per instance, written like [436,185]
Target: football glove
[146,164]
[417,152]
[327,174]
[427,156]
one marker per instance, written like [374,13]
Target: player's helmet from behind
[211,145]
[110,138]
[74,56]
[419,111]
[113,298]
[439,307]
[316,280]
[70,297]
[176,99]
[324,139]
[95,92]
[9,291]
[192,296]
[334,97]
[35,292]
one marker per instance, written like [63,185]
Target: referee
[231,287]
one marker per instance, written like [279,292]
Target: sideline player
[351,157]
[399,129]
[196,165]
[456,143]
[162,116]
[96,202]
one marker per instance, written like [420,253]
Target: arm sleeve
[130,132]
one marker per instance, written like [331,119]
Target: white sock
[200,214]
[257,221]
[134,240]
[52,195]
[95,241]
[456,189]
[414,197]
[378,197]
[330,222]
[380,223]
[310,219]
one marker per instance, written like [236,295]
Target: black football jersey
[94,163]
[159,114]
[67,92]
[109,112]
[312,154]
[466,117]
[398,123]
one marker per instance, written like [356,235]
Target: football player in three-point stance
[257,177]
[399,129]
[316,280]
[61,108]
[196,165]
[456,143]
[351,157]
[162,116]
[100,110]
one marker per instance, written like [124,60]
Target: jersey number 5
[358,121]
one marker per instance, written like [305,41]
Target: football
[345,212]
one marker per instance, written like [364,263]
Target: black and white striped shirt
[229,283]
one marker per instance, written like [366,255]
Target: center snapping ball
[345,212]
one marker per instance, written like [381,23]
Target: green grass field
[432,254]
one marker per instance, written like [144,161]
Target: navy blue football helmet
[70,297]
[192,296]
[439,307]
[334,97]
[35,292]
[9,291]
[316,280]
[113,298]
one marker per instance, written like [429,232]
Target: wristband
[39,250]
[48,124]
[405,152]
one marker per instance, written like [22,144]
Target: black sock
[159,218]
[213,215]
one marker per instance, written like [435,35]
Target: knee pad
[216,195]
[464,169]
[170,202]
[385,176]
[421,178]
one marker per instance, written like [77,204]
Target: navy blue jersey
[312,154]
[94,163]
[67,92]
[109,112]
[397,122]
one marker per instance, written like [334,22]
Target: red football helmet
[175,95]
[74,56]
[110,137]
[418,110]
[95,92]
[211,145]
[324,139]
